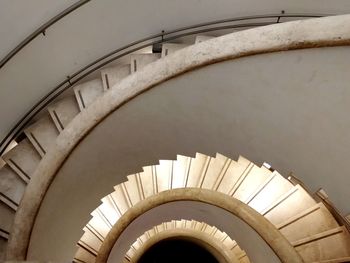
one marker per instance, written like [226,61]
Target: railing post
[163,32]
[279,17]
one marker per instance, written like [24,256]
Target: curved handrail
[162,37]
[41,30]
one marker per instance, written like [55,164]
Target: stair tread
[169,48]
[330,244]
[317,218]
[112,75]
[86,93]
[11,186]
[288,205]
[42,134]
[63,112]
[23,159]
[138,61]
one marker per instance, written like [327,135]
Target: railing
[41,30]
[232,23]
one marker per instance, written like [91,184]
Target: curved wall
[288,108]
[98,28]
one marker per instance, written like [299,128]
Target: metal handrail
[135,46]
[41,30]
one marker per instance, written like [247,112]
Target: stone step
[169,48]
[23,159]
[84,255]
[164,174]
[269,191]
[6,219]
[180,171]
[328,245]
[122,201]
[148,181]
[251,182]
[314,220]
[216,171]
[42,134]
[112,75]
[64,111]
[138,61]
[110,209]
[3,246]
[198,168]
[99,224]
[11,187]
[90,241]
[233,175]
[290,204]
[132,190]
[87,92]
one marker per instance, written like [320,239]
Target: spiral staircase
[211,231]
[306,222]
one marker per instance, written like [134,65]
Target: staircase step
[148,181]
[84,256]
[164,173]
[63,112]
[317,219]
[251,182]
[11,187]
[113,75]
[120,199]
[23,159]
[331,244]
[202,38]
[269,192]
[216,171]
[234,173]
[42,134]
[198,169]
[292,203]
[180,171]
[133,190]
[90,241]
[138,61]
[169,48]
[3,246]
[109,209]
[6,219]
[99,223]
[87,92]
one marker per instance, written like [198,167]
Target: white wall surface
[97,28]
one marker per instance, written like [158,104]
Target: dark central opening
[179,251]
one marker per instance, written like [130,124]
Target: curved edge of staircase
[199,232]
[278,243]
